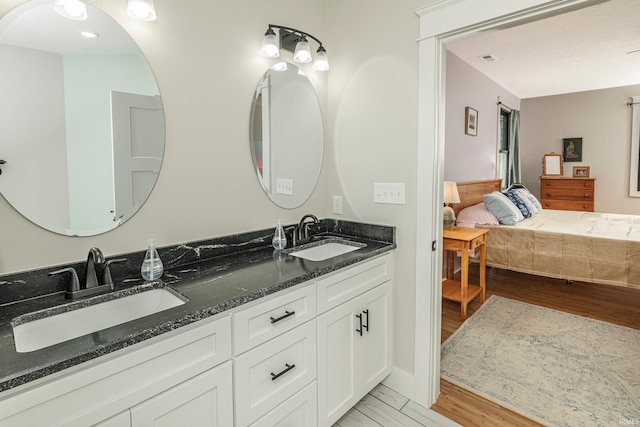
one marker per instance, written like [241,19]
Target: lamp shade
[302,53]
[144,10]
[71,9]
[451,192]
[269,46]
[321,61]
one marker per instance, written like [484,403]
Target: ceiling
[581,50]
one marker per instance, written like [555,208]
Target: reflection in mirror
[83,124]
[286,135]
[552,164]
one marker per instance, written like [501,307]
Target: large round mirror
[82,129]
[286,135]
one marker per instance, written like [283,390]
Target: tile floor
[387,408]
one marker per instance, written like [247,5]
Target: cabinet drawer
[299,411]
[567,194]
[568,183]
[268,319]
[274,371]
[567,205]
[345,285]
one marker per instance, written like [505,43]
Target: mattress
[585,246]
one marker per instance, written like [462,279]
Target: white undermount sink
[43,332]
[326,249]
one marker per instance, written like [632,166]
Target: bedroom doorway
[440,23]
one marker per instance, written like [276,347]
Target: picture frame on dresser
[582,171]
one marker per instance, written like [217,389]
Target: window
[503,145]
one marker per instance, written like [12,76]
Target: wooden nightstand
[460,239]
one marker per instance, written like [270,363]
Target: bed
[571,245]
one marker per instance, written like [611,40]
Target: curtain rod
[632,103]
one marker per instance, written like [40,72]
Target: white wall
[470,158]
[33,109]
[603,120]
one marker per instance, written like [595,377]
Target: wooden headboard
[471,192]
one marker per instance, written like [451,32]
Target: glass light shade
[451,192]
[269,46]
[143,10]
[321,61]
[302,53]
[71,9]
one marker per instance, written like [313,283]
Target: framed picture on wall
[572,149]
[470,121]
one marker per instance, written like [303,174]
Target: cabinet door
[376,357]
[205,400]
[337,356]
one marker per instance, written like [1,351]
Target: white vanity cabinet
[354,342]
[275,360]
[182,370]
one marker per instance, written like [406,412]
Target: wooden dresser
[568,194]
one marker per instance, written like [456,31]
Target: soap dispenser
[279,240]
[152,265]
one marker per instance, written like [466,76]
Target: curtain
[513,174]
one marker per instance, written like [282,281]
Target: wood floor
[612,304]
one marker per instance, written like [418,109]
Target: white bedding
[585,246]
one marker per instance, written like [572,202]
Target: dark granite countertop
[214,275]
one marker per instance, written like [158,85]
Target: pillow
[528,200]
[503,209]
[520,204]
[476,214]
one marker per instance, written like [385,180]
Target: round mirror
[286,135]
[82,120]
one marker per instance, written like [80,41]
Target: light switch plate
[284,186]
[337,205]
[390,193]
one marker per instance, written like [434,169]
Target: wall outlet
[284,186]
[391,193]
[337,205]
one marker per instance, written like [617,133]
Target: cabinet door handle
[366,325]
[286,314]
[359,316]
[284,371]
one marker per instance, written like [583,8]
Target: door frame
[441,22]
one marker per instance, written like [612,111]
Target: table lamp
[450,196]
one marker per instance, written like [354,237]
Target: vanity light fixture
[294,41]
[71,9]
[143,10]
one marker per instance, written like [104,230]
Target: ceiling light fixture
[294,41]
[71,9]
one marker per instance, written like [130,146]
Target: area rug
[552,367]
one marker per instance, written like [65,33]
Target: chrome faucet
[95,257]
[301,232]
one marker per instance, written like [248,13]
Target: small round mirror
[286,135]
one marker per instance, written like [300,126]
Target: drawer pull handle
[281,373]
[359,316]
[366,325]
[284,316]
